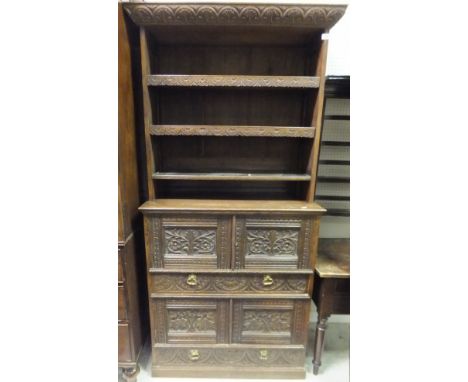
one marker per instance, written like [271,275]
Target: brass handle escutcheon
[267,280]
[263,355]
[192,279]
[194,355]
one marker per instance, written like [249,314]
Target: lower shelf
[229,361]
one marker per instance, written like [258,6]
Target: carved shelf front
[233,131]
[233,81]
[145,13]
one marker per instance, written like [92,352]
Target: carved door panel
[177,242]
[279,322]
[278,243]
[190,321]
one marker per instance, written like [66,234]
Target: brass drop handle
[263,355]
[194,355]
[192,279]
[267,280]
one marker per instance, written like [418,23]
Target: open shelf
[231,106]
[231,176]
[231,189]
[233,51]
[233,81]
[231,130]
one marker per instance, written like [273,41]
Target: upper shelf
[233,81]
[234,131]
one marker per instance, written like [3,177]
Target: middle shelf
[231,176]
[233,81]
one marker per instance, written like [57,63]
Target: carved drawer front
[201,242]
[229,356]
[270,321]
[274,243]
[190,321]
[122,305]
[187,283]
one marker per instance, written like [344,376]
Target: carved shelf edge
[233,131]
[233,81]
[277,15]
[230,176]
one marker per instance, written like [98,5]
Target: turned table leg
[319,341]
[130,374]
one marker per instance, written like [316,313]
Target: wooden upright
[233,99]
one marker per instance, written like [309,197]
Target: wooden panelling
[269,321]
[191,321]
[125,353]
[122,303]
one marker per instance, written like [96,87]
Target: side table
[331,290]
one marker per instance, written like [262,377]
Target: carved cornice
[295,15]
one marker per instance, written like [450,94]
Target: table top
[333,258]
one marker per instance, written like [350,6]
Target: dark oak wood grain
[233,98]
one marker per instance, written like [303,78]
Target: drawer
[201,242]
[120,270]
[122,304]
[228,284]
[226,356]
[124,343]
[270,321]
[276,243]
[190,321]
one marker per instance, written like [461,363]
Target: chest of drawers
[229,285]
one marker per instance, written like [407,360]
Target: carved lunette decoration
[281,15]
[230,357]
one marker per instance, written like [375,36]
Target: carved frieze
[297,15]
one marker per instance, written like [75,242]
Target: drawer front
[120,270]
[125,354]
[201,242]
[270,321]
[193,356]
[190,321]
[122,305]
[186,283]
[277,243]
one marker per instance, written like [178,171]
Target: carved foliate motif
[266,321]
[317,16]
[272,242]
[190,241]
[191,321]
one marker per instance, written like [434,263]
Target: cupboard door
[272,243]
[280,322]
[191,321]
[199,242]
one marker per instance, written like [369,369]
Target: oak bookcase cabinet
[232,96]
